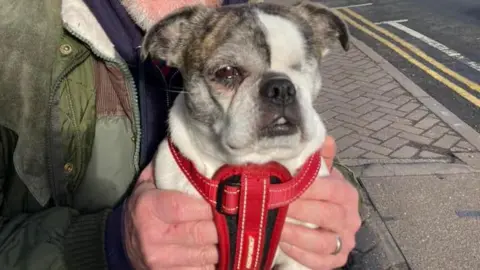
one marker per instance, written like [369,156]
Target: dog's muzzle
[281,114]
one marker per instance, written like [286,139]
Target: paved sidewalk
[418,164]
[374,118]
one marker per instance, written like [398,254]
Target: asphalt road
[453,23]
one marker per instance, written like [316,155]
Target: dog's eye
[227,73]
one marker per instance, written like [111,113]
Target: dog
[251,74]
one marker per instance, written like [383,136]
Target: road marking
[437,45]
[357,5]
[473,85]
[459,90]
[394,21]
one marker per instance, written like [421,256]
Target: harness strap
[227,199]
[251,203]
[252,219]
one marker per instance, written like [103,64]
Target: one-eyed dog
[251,74]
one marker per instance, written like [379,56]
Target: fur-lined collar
[78,19]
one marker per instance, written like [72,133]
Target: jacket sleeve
[350,177]
[56,238]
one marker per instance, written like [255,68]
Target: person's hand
[332,204]
[167,229]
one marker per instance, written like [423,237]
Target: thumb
[148,174]
[328,151]
[170,206]
[146,180]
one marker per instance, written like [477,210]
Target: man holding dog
[80,119]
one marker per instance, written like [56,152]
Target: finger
[312,260]
[134,251]
[333,188]
[192,233]
[353,220]
[169,256]
[317,241]
[324,214]
[177,207]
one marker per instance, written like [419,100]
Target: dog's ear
[167,39]
[327,26]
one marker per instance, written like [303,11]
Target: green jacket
[67,101]
[65,107]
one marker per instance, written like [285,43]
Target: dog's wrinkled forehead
[228,36]
[197,36]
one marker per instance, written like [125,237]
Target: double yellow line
[348,15]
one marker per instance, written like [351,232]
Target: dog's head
[251,72]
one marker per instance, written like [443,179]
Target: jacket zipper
[59,194]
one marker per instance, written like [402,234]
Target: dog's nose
[279,91]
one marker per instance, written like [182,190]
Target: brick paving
[373,117]
[375,120]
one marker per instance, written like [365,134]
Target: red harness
[250,204]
